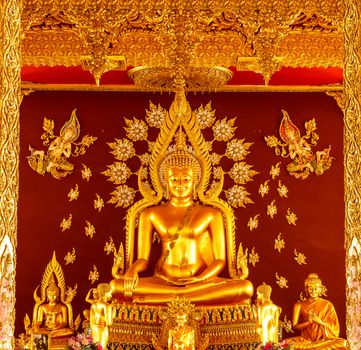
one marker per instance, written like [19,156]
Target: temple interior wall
[318,201]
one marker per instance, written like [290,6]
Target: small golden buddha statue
[181,337]
[268,315]
[101,315]
[52,317]
[316,319]
[193,243]
[53,313]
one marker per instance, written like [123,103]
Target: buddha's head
[104,290]
[180,170]
[181,319]
[264,292]
[52,292]
[313,286]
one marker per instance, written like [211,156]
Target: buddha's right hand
[130,281]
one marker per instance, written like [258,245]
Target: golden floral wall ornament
[54,160]
[295,146]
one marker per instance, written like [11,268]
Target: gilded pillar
[10,33]
[352,156]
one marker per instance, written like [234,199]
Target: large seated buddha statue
[316,320]
[196,231]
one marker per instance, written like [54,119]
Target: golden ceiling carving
[260,36]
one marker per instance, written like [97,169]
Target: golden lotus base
[230,327]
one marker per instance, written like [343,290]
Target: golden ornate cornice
[285,33]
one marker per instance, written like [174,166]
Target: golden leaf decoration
[137,130]
[272,209]
[66,223]
[48,126]
[286,324]
[109,247]
[253,257]
[98,202]
[263,188]
[275,170]
[70,257]
[300,258]
[73,193]
[291,217]
[94,275]
[223,130]
[155,116]
[253,222]
[279,243]
[282,189]
[281,281]
[89,229]
[86,173]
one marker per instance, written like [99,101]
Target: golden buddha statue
[101,315]
[192,232]
[52,317]
[181,337]
[53,313]
[268,315]
[316,319]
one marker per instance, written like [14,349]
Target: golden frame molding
[26,86]
[10,99]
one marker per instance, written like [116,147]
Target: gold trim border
[9,118]
[352,163]
[27,86]
[10,99]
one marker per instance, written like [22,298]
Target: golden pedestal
[231,327]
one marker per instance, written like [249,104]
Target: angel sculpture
[54,161]
[304,161]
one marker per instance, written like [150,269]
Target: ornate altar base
[224,327]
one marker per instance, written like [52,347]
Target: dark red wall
[317,201]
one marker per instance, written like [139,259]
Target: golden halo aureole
[196,78]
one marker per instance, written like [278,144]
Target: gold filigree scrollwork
[352,163]
[10,97]
[98,24]
[261,36]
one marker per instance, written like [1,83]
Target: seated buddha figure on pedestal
[192,238]
[52,314]
[52,317]
[316,319]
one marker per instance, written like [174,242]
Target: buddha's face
[180,182]
[52,295]
[181,319]
[313,289]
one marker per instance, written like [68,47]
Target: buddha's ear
[195,189]
[166,192]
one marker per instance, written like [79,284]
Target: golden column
[352,156]
[10,98]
